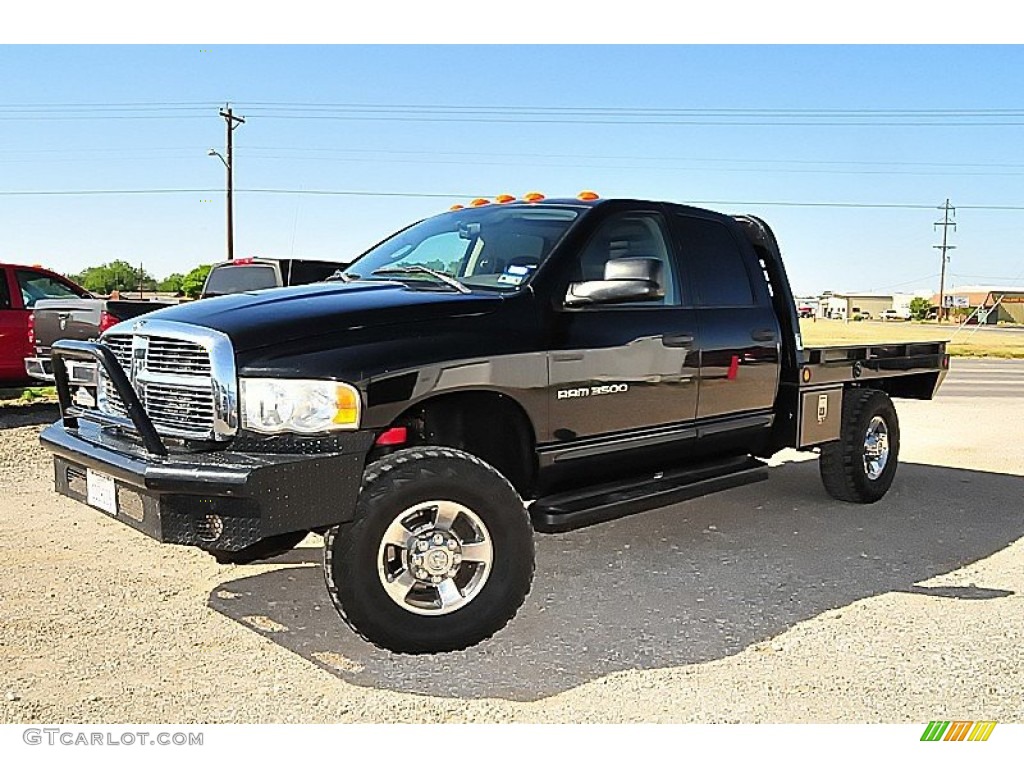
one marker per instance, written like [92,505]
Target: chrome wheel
[435,557]
[876,448]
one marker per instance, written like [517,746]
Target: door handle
[766,334]
[677,339]
[566,357]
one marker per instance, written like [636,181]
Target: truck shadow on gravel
[28,415]
[681,585]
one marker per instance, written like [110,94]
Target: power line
[662,167]
[460,195]
[777,165]
[642,111]
[760,123]
[529,109]
[896,285]
[65,118]
[652,158]
[518,114]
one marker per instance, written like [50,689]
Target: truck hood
[282,315]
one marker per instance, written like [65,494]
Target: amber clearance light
[588,195]
[533,197]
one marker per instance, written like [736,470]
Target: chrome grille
[175,356]
[121,346]
[176,379]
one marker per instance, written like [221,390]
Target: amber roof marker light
[480,201]
[505,199]
[533,197]
[588,195]
[456,207]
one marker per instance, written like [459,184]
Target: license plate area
[101,491]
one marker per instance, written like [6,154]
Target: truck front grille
[174,378]
[173,356]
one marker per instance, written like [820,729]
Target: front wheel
[438,556]
[860,466]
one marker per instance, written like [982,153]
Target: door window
[36,285]
[714,262]
[629,235]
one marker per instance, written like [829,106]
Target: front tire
[860,466]
[438,557]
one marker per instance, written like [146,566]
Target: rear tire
[438,556]
[860,466]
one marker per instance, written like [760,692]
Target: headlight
[273,406]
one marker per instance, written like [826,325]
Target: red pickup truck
[20,288]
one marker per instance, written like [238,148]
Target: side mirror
[632,279]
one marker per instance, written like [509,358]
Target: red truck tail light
[108,320]
[31,329]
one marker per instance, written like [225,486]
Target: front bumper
[213,499]
[218,500]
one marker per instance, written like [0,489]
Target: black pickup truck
[595,358]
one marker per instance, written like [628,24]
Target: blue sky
[53,149]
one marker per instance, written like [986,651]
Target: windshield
[232,278]
[494,248]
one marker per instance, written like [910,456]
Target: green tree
[919,307]
[192,284]
[171,284]
[115,276]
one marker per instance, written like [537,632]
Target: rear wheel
[860,466]
[438,557]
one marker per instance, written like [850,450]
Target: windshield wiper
[342,276]
[419,268]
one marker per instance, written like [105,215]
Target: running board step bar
[575,509]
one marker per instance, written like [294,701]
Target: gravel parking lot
[765,603]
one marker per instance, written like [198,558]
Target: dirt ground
[765,603]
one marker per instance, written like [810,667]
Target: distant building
[846,306]
[997,305]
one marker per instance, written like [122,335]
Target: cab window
[35,286]
[629,235]
[714,262]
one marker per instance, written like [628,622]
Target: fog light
[209,527]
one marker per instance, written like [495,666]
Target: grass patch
[964,342]
[28,394]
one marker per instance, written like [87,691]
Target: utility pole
[946,223]
[232,123]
